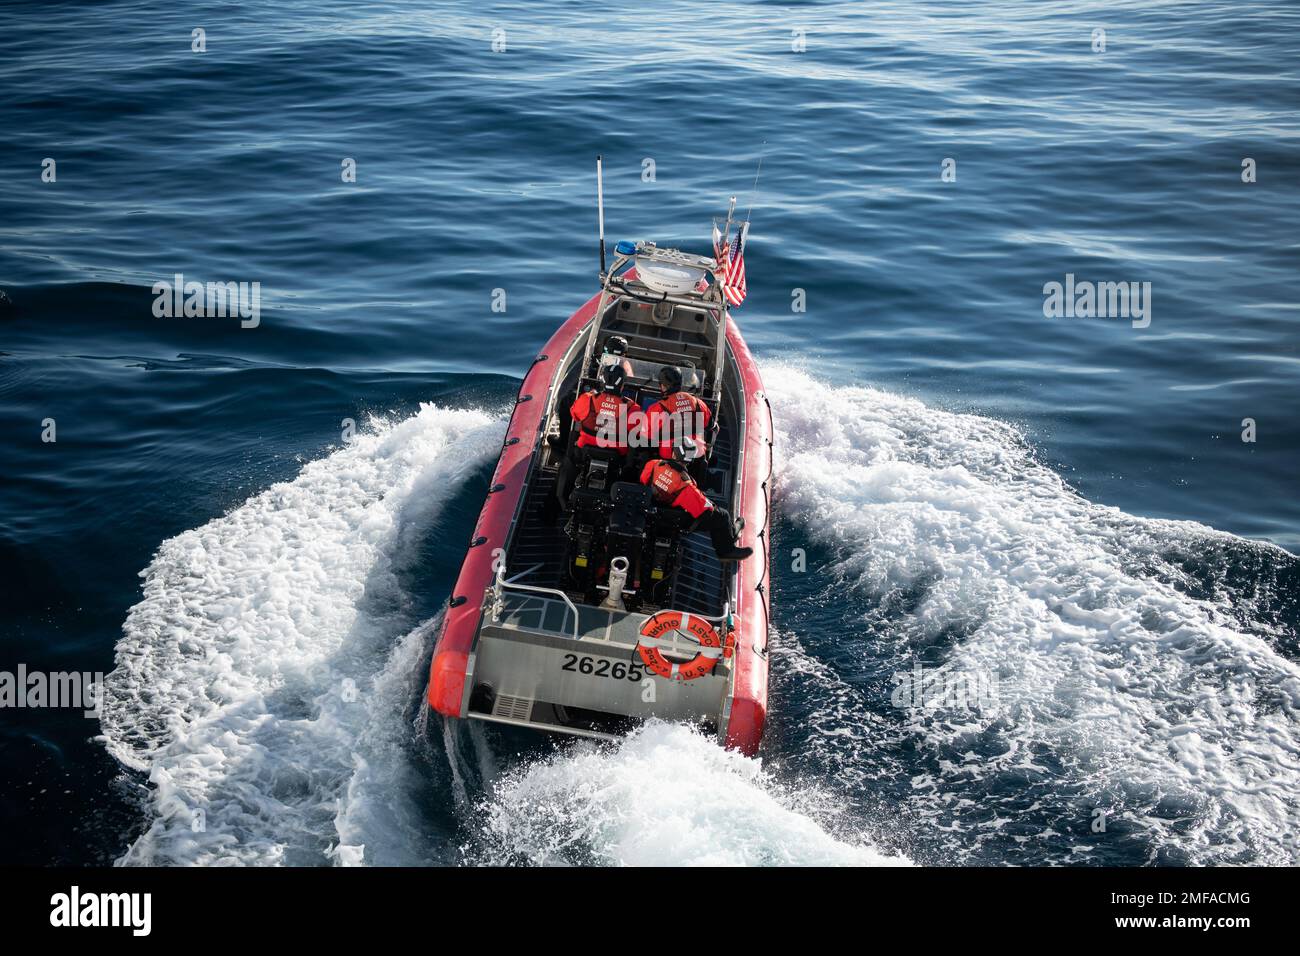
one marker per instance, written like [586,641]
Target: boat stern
[541,661]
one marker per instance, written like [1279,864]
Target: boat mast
[600,214]
[726,231]
[720,347]
[590,349]
[726,312]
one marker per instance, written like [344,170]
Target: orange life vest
[603,420]
[673,486]
[679,415]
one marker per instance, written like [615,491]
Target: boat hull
[745,708]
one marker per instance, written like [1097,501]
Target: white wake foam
[1131,686]
[664,796]
[265,685]
[268,679]
[263,680]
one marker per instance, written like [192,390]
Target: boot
[723,536]
[735,553]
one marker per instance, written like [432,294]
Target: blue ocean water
[1060,507]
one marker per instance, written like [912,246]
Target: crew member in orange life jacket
[604,421]
[605,418]
[674,486]
[677,415]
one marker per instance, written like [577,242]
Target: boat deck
[537,552]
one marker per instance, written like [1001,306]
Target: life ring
[654,636]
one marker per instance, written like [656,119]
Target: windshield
[646,372]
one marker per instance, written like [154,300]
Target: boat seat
[631,506]
[601,467]
[587,499]
[667,520]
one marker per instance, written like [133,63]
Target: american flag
[733,280]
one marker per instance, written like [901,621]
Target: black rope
[767,521]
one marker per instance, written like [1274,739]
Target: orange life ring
[696,629]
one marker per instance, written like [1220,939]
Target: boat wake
[1115,671]
[264,681]
[665,796]
[1092,686]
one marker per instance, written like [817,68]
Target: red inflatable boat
[588,611]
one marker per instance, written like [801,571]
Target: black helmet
[616,345]
[613,376]
[670,378]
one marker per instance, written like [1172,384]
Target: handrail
[501,584]
[703,302]
[522,573]
[726,612]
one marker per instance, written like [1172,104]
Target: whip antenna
[600,214]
